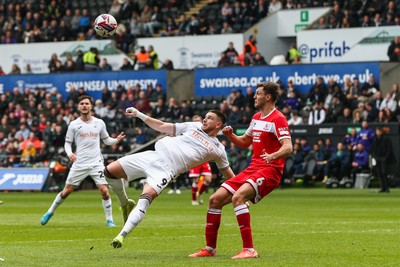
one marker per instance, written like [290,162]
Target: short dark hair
[269,88]
[219,114]
[82,97]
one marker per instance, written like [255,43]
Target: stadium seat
[207,99]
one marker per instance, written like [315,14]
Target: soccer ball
[105,25]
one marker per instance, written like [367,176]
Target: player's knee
[215,202]
[238,199]
[109,175]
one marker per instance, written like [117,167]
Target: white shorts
[78,174]
[150,166]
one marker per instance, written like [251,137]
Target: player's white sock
[57,202]
[118,187]
[137,215]
[107,206]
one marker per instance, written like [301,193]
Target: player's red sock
[203,188]
[213,222]
[194,190]
[243,218]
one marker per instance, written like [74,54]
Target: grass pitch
[291,227]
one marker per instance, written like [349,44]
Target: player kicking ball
[86,132]
[189,144]
[269,134]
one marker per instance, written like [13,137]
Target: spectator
[104,65]
[335,110]
[141,57]
[173,111]
[167,64]
[393,45]
[115,9]
[224,61]
[250,45]
[203,26]
[346,116]
[153,56]
[79,64]
[292,54]
[69,64]
[274,6]
[295,119]
[136,26]
[338,164]
[171,29]
[153,25]
[318,114]
[160,110]
[369,89]
[84,21]
[231,52]
[293,102]
[91,59]
[226,28]
[360,161]
[184,25]
[365,136]
[259,60]
[194,25]
[15,70]
[126,65]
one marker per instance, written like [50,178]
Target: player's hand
[267,157]
[121,136]
[131,111]
[227,130]
[72,157]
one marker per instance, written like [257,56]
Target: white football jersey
[191,147]
[86,136]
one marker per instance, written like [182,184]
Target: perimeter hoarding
[38,55]
[346,45]
[23,178]
[188,52]
[92,82]
[221,81]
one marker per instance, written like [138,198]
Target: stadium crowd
[34,121]
[56,20]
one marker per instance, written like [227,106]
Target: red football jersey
[267,132]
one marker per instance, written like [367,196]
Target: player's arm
[162,127]
[68,150]
[285,150]
[242,141]
[227,173]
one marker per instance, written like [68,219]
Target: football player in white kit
[190,144]
[86,131]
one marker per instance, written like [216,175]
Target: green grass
[291,227]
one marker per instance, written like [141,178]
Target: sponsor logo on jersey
[84,135]
[205,142]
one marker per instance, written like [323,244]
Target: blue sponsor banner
[222,80]
[23,178]
[92,82]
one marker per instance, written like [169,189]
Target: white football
[105,25]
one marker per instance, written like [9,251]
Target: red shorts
[203,169]
[263,180]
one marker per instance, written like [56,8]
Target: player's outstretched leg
[118,241]
[126,210]
[57,202]
[46,217]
